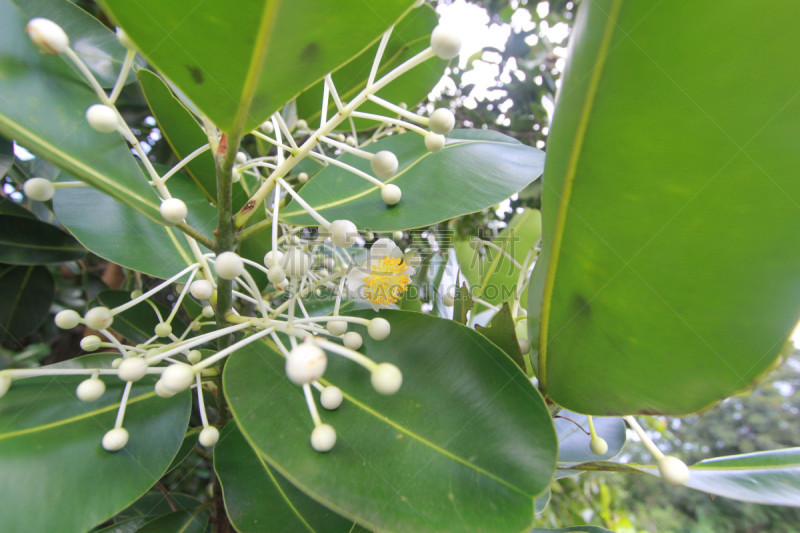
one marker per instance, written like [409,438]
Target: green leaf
[138,323]
[668,274]
[502,332]
[573,443]
[10,207]
[26,293]
[462,303]
[27,241]
[466,434]
[475,170]
[187,447]
[50,444]
[96,45]
[55,127]
[178,522]
[118,233]
[258,498]
[576,529]
[410,36]
[130,525]
[242,64]
[6,158]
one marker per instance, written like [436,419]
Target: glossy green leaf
[178,522]
[574,529]
[465,436]
[6,156]
[96,45]
[238,82]
[55,127]
[131,525]
[138,323]
[26,293]
[573,441]
[462,303]
[668,276]
[50,444]
[187,447]
[118,233]
[27,241]
[155,503]
[259,499]
[475,170]
[10,207]
[410,36]
[502,332]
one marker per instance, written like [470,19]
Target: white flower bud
[162,391]
[267,127]
[194,356]
[391,194]
[39,189]
[305,363]
[442,121]
[337,327]
[449,297]
[241,158]
[124,40]
[47,36]
[296,263]
[207,311]
[323,438]
[379,328]
[177,377]
[353,340]
[67,319]
[163,329]
[115,440]
[201,289]
[397,235]
[445,42]
[673,470]
[301,125]
[116,362]
[273,258]
[132,368]
[302,177]
[331,397]
[90,343]
[135,294]
[174,210]
[276,274]
[98,318]
[90,389]
[5,384]
[386,378]
[208,436]
[434,142]
[102,118]
[384,164]
[343,233]
[228,265]
[599,446]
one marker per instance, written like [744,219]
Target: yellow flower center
[387,281]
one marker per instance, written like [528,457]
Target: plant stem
[226,238]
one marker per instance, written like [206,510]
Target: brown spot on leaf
[310,52]
[196,74]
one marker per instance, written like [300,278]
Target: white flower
[383,277]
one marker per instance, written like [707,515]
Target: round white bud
[39,189]
[331,397]
[445,42]
[124,40]
[201,289]
[350,141]
[194,356]
[208,436]
[207,311]
[323,438]
[276,274]
[301,125]
[384,164]
[162,391]
[296,263]
[173,210]
[67,319]
[5,384]
[449,297]
[391,194]
[115,440]
[177,377]
[302,177]
[434,142]
[369,235]
[673,470]
[116,362]
[337,327]
[132,368]
[90,343]
[90,389]
[353,340]
[47,36]
[343,233]
[442,121]
[386,378]
[241,158]
[273,258]
[524,345]
[228,265]
[267,127]
[397,235]
[98,318]
[102,118]
[305,363]
[135,294]
[379,328]
[163,329]
[599,446]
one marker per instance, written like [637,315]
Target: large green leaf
[118,233]
[178,522]
[475,170]
[28,241]
[50,445]
[465,437]
[258,498]
[411,35]
[43,108]
[668,276]
[26,293]
[573,529]
[243,60]
[138,323]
